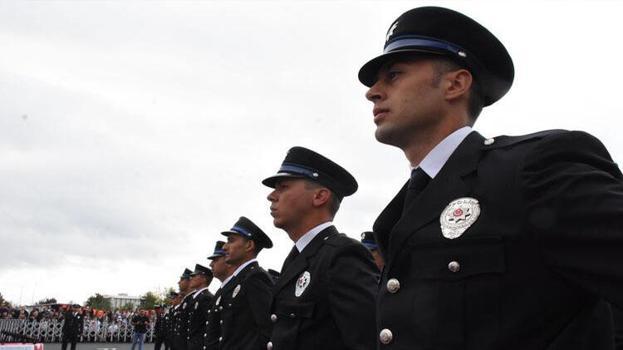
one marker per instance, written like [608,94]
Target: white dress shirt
[438,156]
[310,235]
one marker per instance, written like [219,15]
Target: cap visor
[271,181]
[369,71]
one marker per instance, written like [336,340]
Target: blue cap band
[423,42]
[370,245]
[298,170]
[219,252]
[242,231]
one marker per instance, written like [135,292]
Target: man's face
[407,102]
[195,281]
[236,249]
[219,267]
[289,202]
[183,284]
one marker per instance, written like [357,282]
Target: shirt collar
[199,291]
[310,235]
[438,156]
[237,271]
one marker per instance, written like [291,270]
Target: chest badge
[184,306]
[218,300]
[458,216]
[302,283]
[236,291]
[196,305]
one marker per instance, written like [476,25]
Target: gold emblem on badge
[458,216]
[302,283]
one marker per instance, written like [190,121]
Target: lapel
[300,263]
[447,186]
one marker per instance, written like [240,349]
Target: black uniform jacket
[244,309]
[532,272]
[213,323]
[324,299]
[197,317]
[180,327]
[73,325]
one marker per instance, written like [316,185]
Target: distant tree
[47,301]
[127,307]
[3,302]
[98,301]
[150,300]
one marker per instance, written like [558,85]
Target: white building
[120,300]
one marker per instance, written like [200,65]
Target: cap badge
[390,32]
[458,216]
[363,235]
[236,291]
[302,283]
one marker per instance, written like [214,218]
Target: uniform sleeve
[574,202]
[352,292]
[259,296]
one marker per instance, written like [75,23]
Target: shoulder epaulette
[506,141]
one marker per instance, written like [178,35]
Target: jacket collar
[299,263]
[393,226]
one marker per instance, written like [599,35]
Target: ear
[250,246]
[321,197]
[457,84]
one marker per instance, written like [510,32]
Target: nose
[271,196]
[375,92]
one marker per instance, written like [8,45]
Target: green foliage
[47,301]
[3,302]
[150,300]
[98,301]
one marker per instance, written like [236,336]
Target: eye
[392,74]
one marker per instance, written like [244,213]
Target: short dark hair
[443,65]
[334,200]
[475,103]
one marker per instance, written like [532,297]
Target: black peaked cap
[201,270]
[437,30]
[186,274]
[301,162]
[247,229]
[218,250]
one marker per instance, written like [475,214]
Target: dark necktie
[417,183]
[293,253]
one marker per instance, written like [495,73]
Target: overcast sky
[133,132]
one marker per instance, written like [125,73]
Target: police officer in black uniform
[160,329]
[221,271]
[324,298]
[367,239]
[168,320]
[199,305]
[498,243]
[244,298]
[180,313]
[73,326]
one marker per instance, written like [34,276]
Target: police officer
[324,298]
[199,305]
[367,239]
[181,312]
[73,327]
[168,319]
[221,271]
[245,297]
[160,328]
[498,243]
